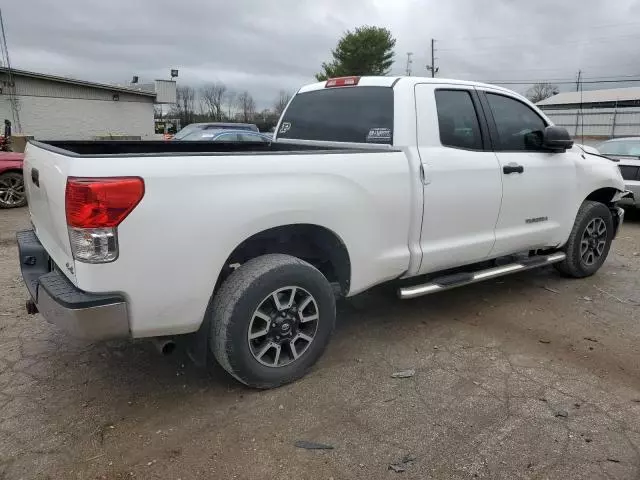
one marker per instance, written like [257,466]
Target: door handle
[423,175]
[35,177]
[512,168]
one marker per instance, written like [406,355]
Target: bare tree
[184,107]
[247,106]
[541,91]
[281,102]
[230,101]
[212,96]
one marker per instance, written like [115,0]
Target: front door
[461,177]
[537,186]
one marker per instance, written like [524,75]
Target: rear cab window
[362,114]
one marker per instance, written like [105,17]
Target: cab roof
[404,81]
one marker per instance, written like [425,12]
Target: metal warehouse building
[597,114]
[52,107]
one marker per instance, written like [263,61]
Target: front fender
[595,173]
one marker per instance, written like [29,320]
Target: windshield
[188,130]
[351,114]
[623,148]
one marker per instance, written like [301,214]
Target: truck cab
[484,181]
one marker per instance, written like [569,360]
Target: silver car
[627,152]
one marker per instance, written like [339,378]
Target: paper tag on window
[379,135]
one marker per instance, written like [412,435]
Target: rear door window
[228,137]
[349,114]
[458,120]
[247,137]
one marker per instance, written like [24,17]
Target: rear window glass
[351,114]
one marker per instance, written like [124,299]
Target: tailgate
[45,178]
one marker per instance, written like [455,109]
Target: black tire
[243,294]
[575,265]
[18,197]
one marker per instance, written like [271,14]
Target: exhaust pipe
[165,345]
[31,307]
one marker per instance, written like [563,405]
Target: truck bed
[137,148]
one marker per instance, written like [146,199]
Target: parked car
[434,183]
[213,126]
[627,153]
[211,135]
[12,192]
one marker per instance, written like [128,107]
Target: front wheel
[12,192]
[272,319]
[589,242]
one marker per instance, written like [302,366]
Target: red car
[12,192]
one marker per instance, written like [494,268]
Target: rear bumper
[85,315]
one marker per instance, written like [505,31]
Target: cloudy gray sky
[266,46]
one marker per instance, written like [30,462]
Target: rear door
[537,186]
[461,177]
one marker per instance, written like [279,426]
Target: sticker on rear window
[379,135]
[286,126]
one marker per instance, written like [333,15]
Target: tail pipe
[164,345]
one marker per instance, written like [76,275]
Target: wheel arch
[12,170]
[318,245]
[605,195]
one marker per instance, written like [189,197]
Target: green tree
[365,51]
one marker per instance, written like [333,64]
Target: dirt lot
[532,376]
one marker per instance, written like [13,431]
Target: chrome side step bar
[459,279]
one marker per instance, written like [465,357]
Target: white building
[596,114]
[52,107]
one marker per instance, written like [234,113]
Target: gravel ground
[532,376]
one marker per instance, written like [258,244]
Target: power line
[520,45]
[618,78]
[567,82]
[504,37]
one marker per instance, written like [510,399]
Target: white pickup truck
[247,246]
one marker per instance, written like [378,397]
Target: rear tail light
[95,207]
[342,82]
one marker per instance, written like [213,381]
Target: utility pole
[432,68]
[409,62]
[578,80]
[11,83]
[579,111]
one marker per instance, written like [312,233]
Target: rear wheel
[272,319]
[12,192]
[589,242]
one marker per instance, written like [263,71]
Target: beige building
[52,107]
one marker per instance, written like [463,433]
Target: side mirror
[556,139]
